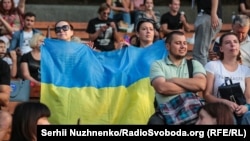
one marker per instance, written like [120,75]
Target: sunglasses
[64,28]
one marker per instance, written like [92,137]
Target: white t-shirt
[6,40]
[245,51]
[8,60]
[220,72]
[25,48]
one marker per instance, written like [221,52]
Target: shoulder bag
[182,110]
[20,90]
[232,92]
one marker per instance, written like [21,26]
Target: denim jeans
[134,16]
[245,120]
[120,16]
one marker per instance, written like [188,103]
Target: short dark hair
[170,35]
[29,14]
[143,20]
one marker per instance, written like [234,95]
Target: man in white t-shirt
[240,26]
[25,48]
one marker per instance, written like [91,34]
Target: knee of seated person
[246,119]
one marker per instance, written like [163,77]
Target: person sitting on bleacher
[137,6]
[103,30]
[5,90]
[240,26]
[229,65]
[174,19]
[22,37]
[11,18]
[150,13]
[65,31]
[244,7]
[144,35]
[120,12]
[30,62]
[145,32]
[10,58]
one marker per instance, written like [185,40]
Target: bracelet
[248,106]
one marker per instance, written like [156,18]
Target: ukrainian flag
[98,87]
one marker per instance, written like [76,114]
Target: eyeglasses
[64,28]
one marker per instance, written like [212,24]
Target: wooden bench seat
[46,26]
[81,27]
[226,27]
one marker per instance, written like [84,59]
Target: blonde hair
[35,39]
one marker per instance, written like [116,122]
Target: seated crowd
[21,53]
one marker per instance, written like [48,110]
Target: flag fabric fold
[97,87]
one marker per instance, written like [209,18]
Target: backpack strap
[190,67]
[158,116]
[190,72]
